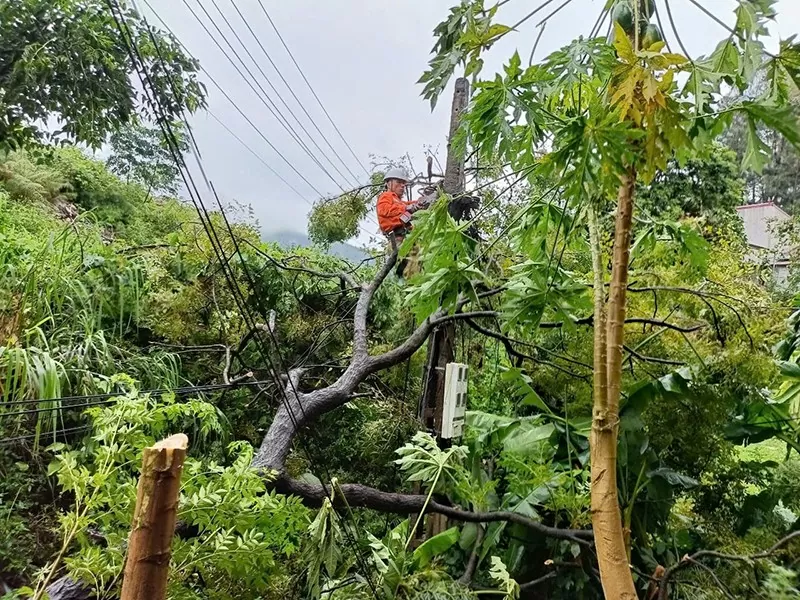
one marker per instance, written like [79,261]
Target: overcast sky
[363,58]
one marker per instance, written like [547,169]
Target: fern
[28,181]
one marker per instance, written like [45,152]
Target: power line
[236,106]
[203,214]
[277,93]
[316,97]
[181,391]
[249,121]
[33,436]
[263,96]
[258,156]
[280,97]
[291,91]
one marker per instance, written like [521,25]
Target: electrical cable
[296,395]
[258,156]
[203,214]
[313,92]
[291,91]
[32,436]
[182,391]
[274,89]
[263,96]
[249,121]
[237,108]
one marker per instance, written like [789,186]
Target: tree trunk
[149,547]
[615,573]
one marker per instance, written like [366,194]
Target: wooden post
[153,527]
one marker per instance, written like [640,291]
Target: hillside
[289,239]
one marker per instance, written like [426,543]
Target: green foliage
[139,153]
[337,219]
[447,253]
[240,529]
[709,187]
[459,39]
[64,60]
[499,573]
[325,555]
[423,461]
[573,125]
[27,181]
[77,304]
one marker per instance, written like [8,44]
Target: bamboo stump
[153,526]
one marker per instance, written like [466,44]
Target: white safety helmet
[396,173]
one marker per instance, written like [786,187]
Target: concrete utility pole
[441,347]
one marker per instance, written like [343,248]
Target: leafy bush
[237,528]
[336,219]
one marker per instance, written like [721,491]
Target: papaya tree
[594,119]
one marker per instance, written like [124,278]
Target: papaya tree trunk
[615,573]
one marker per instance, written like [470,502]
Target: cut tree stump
[153,526]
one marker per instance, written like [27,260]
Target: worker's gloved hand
[428,198]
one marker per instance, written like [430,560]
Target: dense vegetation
[109,284]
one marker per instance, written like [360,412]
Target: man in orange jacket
[395,214]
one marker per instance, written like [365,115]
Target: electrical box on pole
[454,407]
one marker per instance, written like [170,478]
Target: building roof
[762,205]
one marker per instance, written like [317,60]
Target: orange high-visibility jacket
[393,212]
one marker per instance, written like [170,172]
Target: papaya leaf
[433,547]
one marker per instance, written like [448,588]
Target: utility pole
[441,347]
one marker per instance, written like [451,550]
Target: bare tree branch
[654,322]
[362,496]
[651,359]
[705,297]
[687,560]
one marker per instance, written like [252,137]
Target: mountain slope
[287,239]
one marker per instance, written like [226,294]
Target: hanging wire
[310,87]
[264,97]
[181,391]
[291,90]
[216,244]
[249,121]
[54,434]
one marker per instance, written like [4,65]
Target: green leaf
[780,118]
[507,584]
[521,383]
[531,440]
[469,534]
[756,154]
[433,547]
[674,478]
[623,44]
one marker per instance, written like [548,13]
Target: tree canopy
[64,75]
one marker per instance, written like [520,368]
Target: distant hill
[288,239]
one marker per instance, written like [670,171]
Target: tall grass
[69,308]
